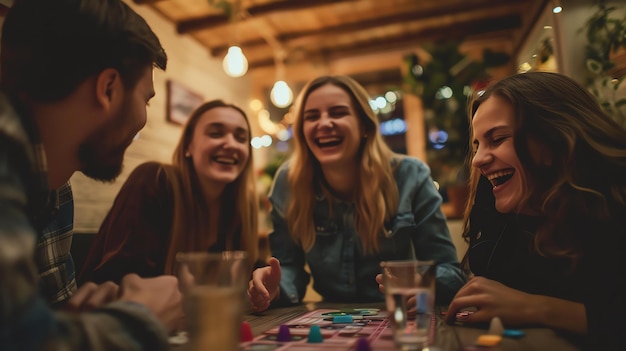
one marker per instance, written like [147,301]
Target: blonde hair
[376,200]
[239,201]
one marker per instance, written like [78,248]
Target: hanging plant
[443,83]
[605,59]
[225,5]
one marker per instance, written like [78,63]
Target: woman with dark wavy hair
[546,223]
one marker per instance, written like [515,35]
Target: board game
[341,330]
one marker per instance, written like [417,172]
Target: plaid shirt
[54,219]
[56,267]
[35,221]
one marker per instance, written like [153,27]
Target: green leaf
[594,66]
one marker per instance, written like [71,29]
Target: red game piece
[246,332]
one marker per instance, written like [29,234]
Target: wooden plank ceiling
[363,38]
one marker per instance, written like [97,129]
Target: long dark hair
[585,181]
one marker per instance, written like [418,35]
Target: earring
[187,154]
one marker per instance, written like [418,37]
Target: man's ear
[108,89]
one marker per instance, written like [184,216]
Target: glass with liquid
[213,287]
[410,299]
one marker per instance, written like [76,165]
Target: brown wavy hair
[376,200]
[585,179]
[239,200]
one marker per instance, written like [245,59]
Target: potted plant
[444,83]
[606,37]
[605,55]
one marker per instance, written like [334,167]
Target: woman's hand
[516,308]
[381,285]
[493,299]
[411,302]
[265,285]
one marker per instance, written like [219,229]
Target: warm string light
[235,63]
[557,8]
[281,95]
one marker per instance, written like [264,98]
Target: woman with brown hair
[547,218]
[204,201]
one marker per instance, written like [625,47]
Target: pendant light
[281,95]
[235,63]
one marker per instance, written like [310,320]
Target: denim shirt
[341,271]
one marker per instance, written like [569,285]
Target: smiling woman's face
[495,156]
[220,145]
[331,127]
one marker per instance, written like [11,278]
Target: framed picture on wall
[181,101]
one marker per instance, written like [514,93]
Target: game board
[371,324]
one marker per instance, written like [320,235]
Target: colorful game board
[339,334]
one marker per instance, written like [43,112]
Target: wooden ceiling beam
[212,21]
[300,72]
[457,31]
[146,2]
[372,23]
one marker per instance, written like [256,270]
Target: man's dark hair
[49,47]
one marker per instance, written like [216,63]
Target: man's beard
[102,154]
[101,160]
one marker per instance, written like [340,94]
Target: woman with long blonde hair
[204,201]
[344,202]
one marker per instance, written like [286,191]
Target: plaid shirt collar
[52,211]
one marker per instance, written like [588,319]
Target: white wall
[189,64]
[575,15]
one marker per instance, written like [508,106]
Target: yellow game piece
[488,340]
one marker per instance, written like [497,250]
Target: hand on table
[160,295]
[492,299]
[265,285]
[381,285]
[91,296]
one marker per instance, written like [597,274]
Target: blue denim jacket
[340,269]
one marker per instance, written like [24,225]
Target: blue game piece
[422,301]
[315,334]
[513,333]
[343,319]
[283,333]
[362,345]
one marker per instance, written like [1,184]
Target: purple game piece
[283,333]
[362,345]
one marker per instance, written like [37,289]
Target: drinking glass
[213,287]
[410,299]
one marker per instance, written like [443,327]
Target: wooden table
[448,337]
